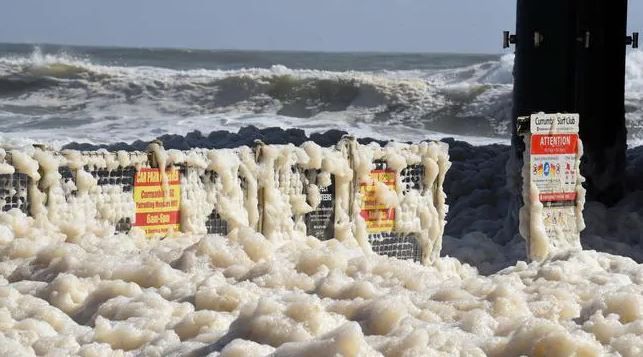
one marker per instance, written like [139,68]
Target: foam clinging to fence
[278,190]
[416,196]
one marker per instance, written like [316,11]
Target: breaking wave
[57,90]
[82,99]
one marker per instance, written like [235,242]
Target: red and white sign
[558,196]
[553,166]
[554,146]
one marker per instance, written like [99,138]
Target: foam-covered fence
[386,199]
[14,186]
[399,197]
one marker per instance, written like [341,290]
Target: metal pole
[570,58]
[543,76]
[600,96]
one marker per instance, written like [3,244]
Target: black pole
[600,96]
[570,58]
[545,57]
[543,77]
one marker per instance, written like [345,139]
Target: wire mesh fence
[292,181]
[400,245]
[214,223]
[396,245]
[122,177]
[14,192]
[412,178]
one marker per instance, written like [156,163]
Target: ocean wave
[418,99]
[69,92]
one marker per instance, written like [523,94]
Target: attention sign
[157,207]
[378,217]
[553,169]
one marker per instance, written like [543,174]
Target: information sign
[157,208]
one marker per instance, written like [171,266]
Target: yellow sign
[378,217]
[157,208]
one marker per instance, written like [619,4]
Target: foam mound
[246,295]
[87,291]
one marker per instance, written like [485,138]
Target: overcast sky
[325,25]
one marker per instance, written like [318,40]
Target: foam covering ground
[90,292]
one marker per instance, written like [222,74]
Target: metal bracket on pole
[585,39]
[508,39]
[524,125]
[633,40]
[538,39]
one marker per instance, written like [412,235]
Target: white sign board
[554,190]
[554,123]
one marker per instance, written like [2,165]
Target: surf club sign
[553,195]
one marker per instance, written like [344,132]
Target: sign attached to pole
[553,194]
[157,207]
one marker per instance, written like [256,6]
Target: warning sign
[320,223]
[553,170]
[157,208]
[378,217]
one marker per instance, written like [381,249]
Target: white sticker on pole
[554,171]
[554,123]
